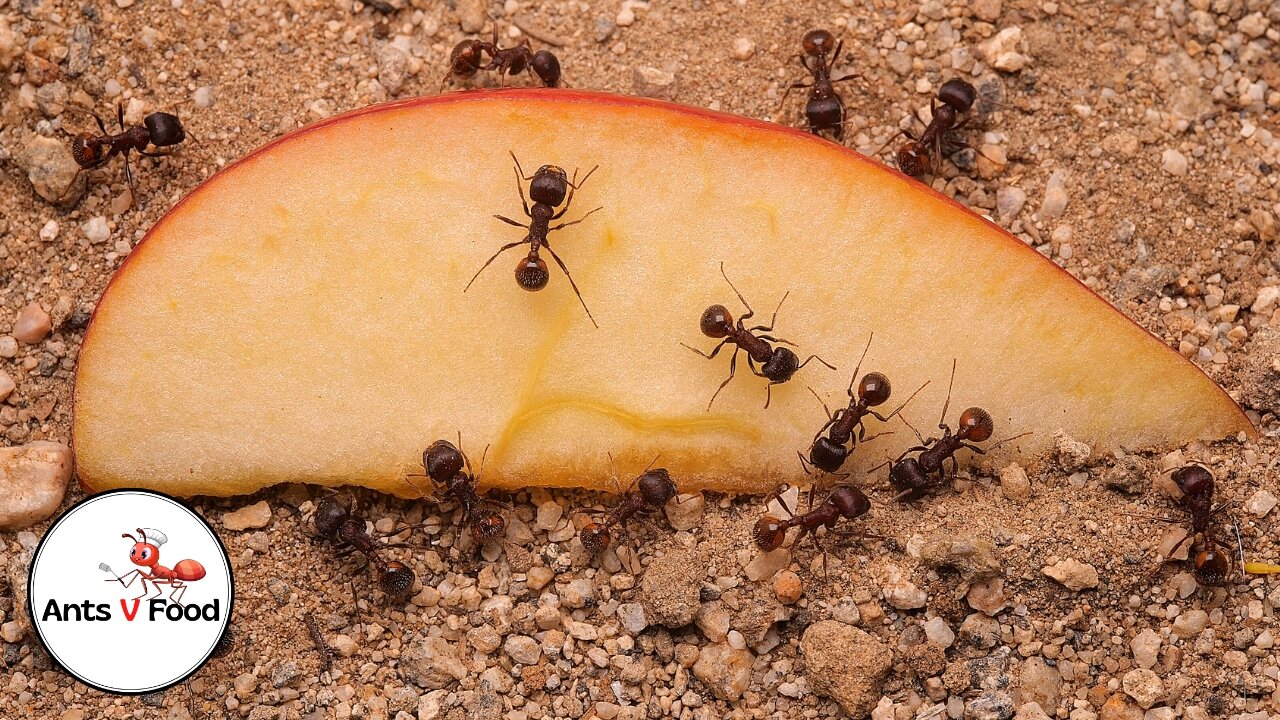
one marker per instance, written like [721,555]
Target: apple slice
[301,316]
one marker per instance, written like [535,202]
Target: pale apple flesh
[301,317]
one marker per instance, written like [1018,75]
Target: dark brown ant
[1212,564]
[917,156]
[845,428]
[450,470]
[647,493]
[346,529]
[912,477]
[548,188]
[777,364]
[93,151]
[515,60]
[825,108]
[845,502]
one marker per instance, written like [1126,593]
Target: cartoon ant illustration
[146,554]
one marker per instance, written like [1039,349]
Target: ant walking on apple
[777,364]
[145,553]
[548,187]
[91,151]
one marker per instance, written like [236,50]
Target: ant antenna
[946,404]
[575,183]
[143,533]
[735,289]
[131,537]
[909,398]
[858,367]
[1008,439]
[651,463]
[913,427]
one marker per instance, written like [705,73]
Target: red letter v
[129,615]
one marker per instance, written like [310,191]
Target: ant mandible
[448,468]
[93,151]
[647,493]
[846,427]
[912,477]
[825,108]
[1212,565]
[917,156]
[145,553]
[548,188]
[346,529]
[777,364]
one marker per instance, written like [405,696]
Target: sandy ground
[1155,118]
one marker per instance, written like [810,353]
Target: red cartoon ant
[146,553]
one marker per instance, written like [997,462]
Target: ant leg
[768,394]
[501,250]
[179,589]
[128,172]
[714,352]
[520,184]
[743,300]
[574,222]
[815,357]
[774,319]
[574,184]
[733,367]
[805,464]
[777,496]
[888,142]
[951,384]
[777,340]
[509,221]
[800,85]
[572,283]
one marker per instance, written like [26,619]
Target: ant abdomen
[825,112]
[769,533]
[909,479]
[850,502]
[781,365]
[595,537]
[827,455]
[958,94]
[488,528]
[716,322]
[913,159]
[396,580]
[165,129]
[547,66]
[532,274]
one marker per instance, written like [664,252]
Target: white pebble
[626,17]
[1174,162]
[96,230]
[204,96]
[50,231]
[743,48]
[1260,503]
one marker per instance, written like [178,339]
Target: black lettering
[51,611]
[210,611]
[155,607]
[104,612]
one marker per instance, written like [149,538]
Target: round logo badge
[130,591]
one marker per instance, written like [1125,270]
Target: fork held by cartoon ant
[846,427]
[824,109]
[913,477]
[647,493]
[548,187]
[777,364]
[93,151]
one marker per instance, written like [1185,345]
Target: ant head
[329,515]
[595,538]
[827,455]
[825,111]
[396,580]
[1193,480]
[913,159]
[1212,566]
[547,67]
[874,389]
[549,185]
[164,129]
[488,528]
[975,424]
[87,149]
[781,365]
[142,553]
[532,274]
[957,94]
[656,487]
[850,501]
[769,533]
[442,461]
[818,42]
[716,322]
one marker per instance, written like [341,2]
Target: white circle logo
[130,591]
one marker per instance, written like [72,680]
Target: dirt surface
[1133,145]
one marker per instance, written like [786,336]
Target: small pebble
[8,346]
[652,82]
[937,630]
[1146,648]
[1173,162]
[203,96]
[96,230]
[1073,574]
[1144,686]
[49,232]
[1014,482]
[1259,504]
[743,48]
[787,586]
[33,480]
[254,516]
[7,385]
[32,325]
[1010,201]
[1055,197]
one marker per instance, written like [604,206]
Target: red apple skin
[1231,421]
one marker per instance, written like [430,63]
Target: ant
[825,108]
[846,428]
[914,476]
[646,493]
[844,502]
[448,468]
[547,187]
[1212,565]
[93,151]
[346,529]
[777,364]
[467,59]
[916,157]
[145,553]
